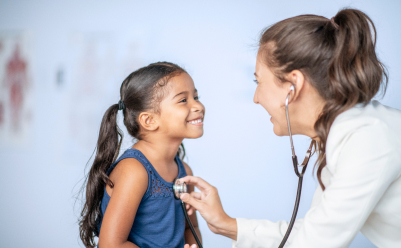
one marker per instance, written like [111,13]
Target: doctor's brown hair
[337,56]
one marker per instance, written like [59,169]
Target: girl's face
[271,94]
[181,112]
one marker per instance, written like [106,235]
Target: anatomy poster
[92,69]
[15,88]
[99,63]
[86,82]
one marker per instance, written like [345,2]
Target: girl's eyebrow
[183,92]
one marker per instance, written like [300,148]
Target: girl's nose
[198,107]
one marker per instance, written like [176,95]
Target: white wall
[95,44]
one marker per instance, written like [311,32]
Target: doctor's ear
[296,82]
[148,121]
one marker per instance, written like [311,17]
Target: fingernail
[184,197]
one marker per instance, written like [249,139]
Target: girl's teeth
[196,121]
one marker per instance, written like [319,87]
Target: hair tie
[334,23]
[121,105]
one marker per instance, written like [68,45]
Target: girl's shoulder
[131,161]
[188,169]
[129,172]
[129,168]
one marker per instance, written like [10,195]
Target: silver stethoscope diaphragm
[179,188]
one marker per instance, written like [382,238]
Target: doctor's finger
[196,195]
[187,198]
[187,207]
[198,182]
[191,210]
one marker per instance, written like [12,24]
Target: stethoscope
[180,188]
[299,174]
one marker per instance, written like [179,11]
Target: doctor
[333,67]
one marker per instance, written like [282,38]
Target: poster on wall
[92,71]
[97,62]
[15,88]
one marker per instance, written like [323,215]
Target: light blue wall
[214,41]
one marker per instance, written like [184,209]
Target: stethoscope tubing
[294,213]
[190,225]
[299,174]
[178,189]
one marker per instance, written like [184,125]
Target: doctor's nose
[255,98]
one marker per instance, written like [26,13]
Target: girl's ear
[148,121]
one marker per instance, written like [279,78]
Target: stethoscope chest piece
[179,188]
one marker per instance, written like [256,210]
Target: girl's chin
[194,135]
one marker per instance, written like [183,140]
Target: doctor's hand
[208,204]
[192,246]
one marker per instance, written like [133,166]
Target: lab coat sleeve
[261,233]
[363,164]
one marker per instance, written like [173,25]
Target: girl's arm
[189,238]
[130,181]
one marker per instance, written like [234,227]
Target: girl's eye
[256,81]
[183,100]
[196,98]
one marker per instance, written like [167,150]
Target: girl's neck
[159,151]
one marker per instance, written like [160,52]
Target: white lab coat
[363,188]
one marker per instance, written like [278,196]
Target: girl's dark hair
[140,91]
[336,55]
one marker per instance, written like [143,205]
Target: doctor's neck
[304,110]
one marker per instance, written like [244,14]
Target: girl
[129,201]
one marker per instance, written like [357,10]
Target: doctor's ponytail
[336,55]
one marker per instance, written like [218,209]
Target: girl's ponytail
[108,146]
[336,55]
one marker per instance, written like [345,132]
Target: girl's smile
[197,122]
